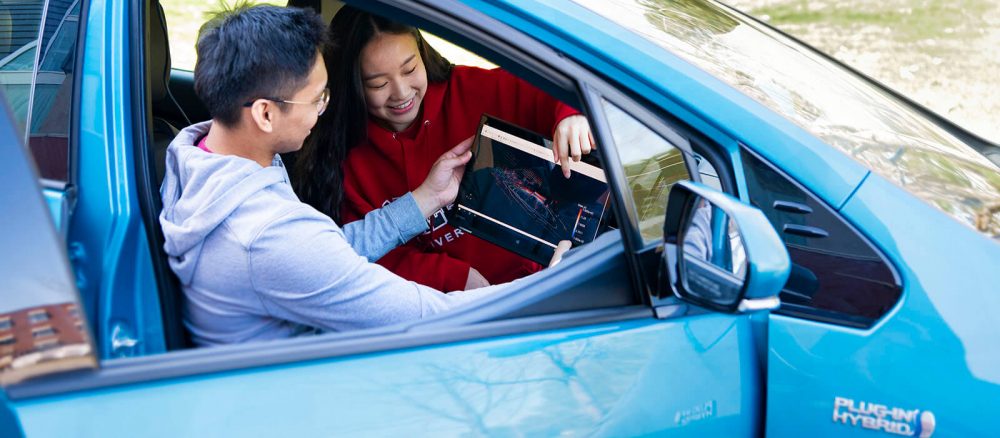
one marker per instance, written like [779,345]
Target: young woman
[394,102]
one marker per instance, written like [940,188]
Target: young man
[254,262]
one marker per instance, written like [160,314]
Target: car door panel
[621,378]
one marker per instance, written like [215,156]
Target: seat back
[162,132]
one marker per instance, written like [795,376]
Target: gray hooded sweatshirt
[255,263]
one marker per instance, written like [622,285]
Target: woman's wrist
[427,202]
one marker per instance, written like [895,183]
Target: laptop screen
[514,195]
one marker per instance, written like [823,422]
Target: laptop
[514,195]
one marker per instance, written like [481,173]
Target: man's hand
[441,185]
[572,139]
[475,280]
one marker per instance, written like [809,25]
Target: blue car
[798,249]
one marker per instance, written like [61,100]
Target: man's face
[296,120]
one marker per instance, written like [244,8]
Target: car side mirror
[720,253]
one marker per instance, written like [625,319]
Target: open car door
[41,329]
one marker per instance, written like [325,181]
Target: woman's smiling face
[394,80]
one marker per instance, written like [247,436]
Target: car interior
[173,104]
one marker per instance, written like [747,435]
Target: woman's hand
[441,185]
[475,280]
[572,139]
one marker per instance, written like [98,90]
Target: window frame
[646,255]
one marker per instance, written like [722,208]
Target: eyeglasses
[321,102]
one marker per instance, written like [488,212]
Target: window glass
[22,59]
[53,95]
[652,166]
[46,344]
[837,275]
[184,18]
[36,317]
[707,173]
[43,331]
[28,39]
[456,54]
[19,24]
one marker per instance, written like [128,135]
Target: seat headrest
[159,53]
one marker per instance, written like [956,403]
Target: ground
[945,55]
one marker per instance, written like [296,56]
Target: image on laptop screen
[514,195]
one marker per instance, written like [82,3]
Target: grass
[928,19]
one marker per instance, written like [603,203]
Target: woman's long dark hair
[318,176]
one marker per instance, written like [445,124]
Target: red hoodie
[390,164]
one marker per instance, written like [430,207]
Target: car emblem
[874,416]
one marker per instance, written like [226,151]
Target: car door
[41,328]
[617,370]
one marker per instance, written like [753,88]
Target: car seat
[162,132]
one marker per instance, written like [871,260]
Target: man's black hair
[251,52]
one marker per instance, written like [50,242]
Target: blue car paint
[113,263]
[10,424]
[935,350]
[542,384]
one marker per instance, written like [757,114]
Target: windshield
[844,110]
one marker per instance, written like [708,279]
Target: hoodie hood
[200,191]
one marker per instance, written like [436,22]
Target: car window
[652,166]
[185,18]
[837,275]
[456,54]
[37,55]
